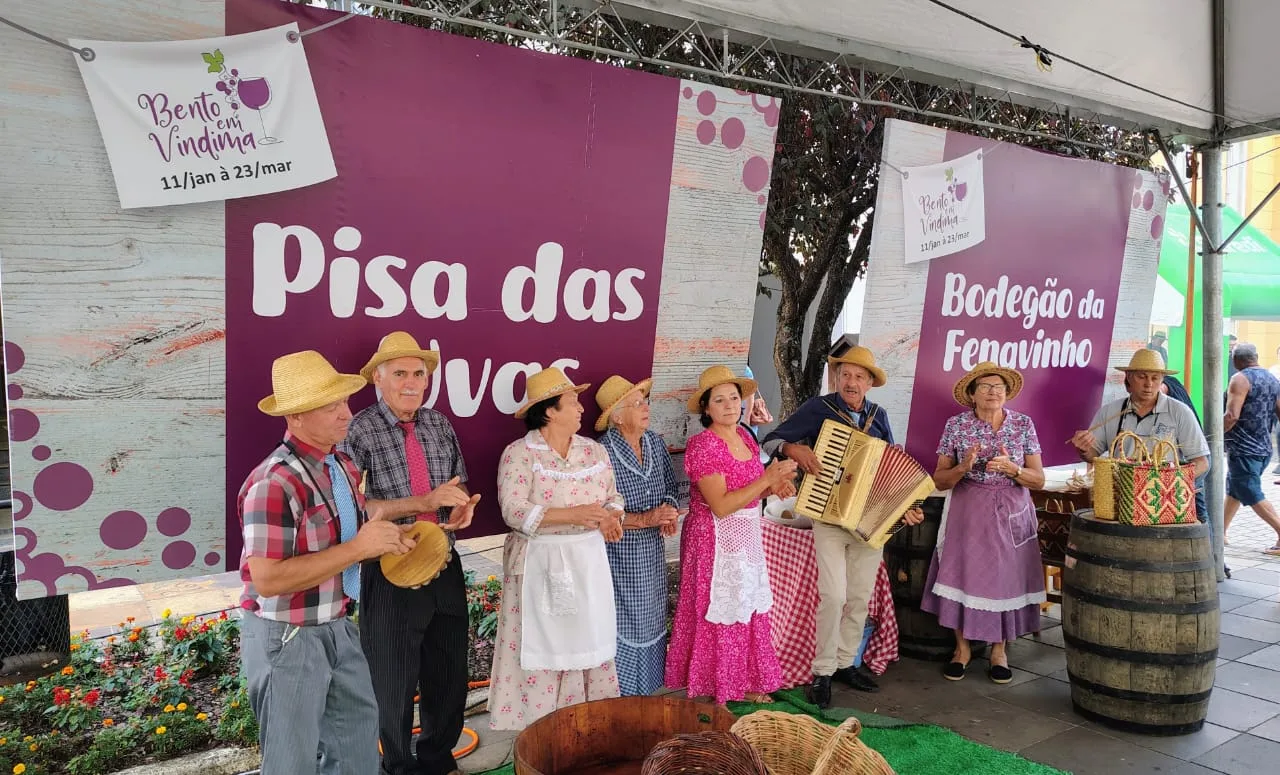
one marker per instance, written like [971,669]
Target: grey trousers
[310,689]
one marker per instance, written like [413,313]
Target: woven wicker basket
[1104,494]
[792,744]
[704,753]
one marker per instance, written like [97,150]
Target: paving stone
[1230,602]
[1245,755]
[1267,610]
[1230,647]
[1247,679]
[1083,751]
[1239,711]
[998,724]
[1185,747]
[1248,627]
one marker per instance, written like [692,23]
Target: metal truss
[626,36]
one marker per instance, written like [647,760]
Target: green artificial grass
[911,749]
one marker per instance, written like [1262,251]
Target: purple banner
[1037,294]
[506,207]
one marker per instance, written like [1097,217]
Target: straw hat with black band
[547,383]
[859,356]
[1012,381]
[719,375]
[399,344]
[303,381]
[1146,360]
[611,393]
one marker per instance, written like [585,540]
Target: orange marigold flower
[68,670]
[108,722]
[133,637]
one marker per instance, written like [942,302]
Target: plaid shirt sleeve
[459,468]
[266,512]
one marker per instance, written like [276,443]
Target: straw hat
[398,344]
[547,383]
[1012,380]
[304,381]
[860,356]
[1146,360]
[421,564]
[612,391]
[719,375]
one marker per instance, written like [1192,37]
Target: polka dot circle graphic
[1137,199]
[733,133]
[14,357]
[123,530]
[41,452]
[212,558]
[706,132]
[178,555]
[755,173]
[687,92]
[173,522]
[707,102]
[15,391]
[1157,227]
[24,504]
[1148,200]
[23,424]
[63,486]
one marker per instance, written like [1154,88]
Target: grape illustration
[235,71]
[235,106]
[962,190]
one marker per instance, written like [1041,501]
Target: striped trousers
[309,688]
[416,642]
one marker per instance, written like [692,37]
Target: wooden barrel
[1140,620]
[610,737]
[906,558]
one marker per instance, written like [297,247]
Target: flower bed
[137,695]
[149,694]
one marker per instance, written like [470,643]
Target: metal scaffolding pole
[1214,390]
[1211,298]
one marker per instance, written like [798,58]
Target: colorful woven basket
[1106,489]
[1159,491]
[791,744]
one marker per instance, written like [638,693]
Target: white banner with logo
[205,120]
[943,207]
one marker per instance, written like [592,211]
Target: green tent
[1251,283]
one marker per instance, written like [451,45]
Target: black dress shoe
[859,678]
[820,691]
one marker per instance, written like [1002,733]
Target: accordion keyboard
[816,491]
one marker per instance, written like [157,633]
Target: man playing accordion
[847,566]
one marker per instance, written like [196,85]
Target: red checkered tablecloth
[793,577]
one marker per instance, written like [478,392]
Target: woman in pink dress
[720,641]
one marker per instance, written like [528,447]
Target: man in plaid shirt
[414,639]
[306,527]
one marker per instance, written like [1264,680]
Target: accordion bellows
[865,485]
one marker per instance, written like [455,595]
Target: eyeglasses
[990,388]
[635,404]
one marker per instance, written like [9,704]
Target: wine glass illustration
[255,94]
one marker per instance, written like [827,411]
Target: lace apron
[739,575]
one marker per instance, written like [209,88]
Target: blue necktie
[346,505]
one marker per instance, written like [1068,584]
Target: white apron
[739,575]
[568,620]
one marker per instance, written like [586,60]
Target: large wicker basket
[704,753]
[792,744]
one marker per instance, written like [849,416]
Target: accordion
[865,485]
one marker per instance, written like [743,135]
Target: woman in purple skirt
[986,581]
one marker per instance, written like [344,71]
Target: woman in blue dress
[647,481]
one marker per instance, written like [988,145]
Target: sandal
[1000,674]
[758,698]
[954,671]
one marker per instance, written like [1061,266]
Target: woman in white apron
[557,628]
[720,641]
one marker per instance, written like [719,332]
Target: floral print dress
[532,478]
[725,661]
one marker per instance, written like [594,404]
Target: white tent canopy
[1165,46]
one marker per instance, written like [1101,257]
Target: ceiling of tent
[1250,268]
[1162,45]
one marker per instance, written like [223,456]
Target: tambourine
[421,564]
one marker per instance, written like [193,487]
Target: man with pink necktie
[414,639]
